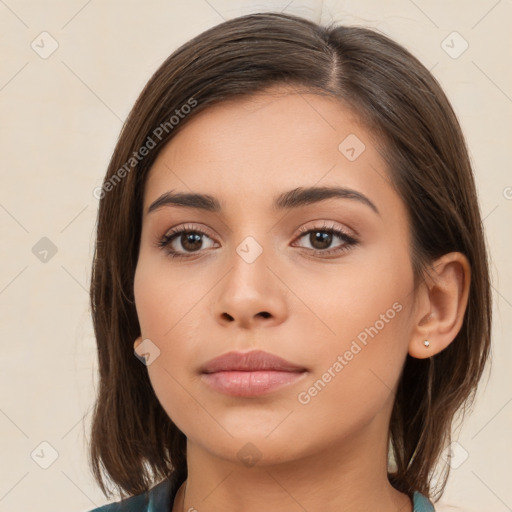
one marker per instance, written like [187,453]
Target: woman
[289,238]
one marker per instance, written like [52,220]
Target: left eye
[321,239]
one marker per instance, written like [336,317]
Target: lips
[256,360]
[250,374]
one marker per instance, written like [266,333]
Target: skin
[332,450]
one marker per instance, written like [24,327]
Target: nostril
[264,314]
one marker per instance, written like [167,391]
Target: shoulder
[422,503]
[158,499]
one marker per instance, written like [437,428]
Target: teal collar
[422,503]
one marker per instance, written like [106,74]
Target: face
[325,282]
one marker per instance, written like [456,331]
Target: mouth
[250,373]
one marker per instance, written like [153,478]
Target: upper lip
[249,361]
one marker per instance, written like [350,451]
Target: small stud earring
[426,343]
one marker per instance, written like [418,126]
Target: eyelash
[349,241]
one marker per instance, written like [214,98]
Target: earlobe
[422,349]
[445,296]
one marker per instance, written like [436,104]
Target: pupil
[322,237]
[191,241]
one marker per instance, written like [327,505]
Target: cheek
[165,297]
[166,306]
[362,296]
[366,309]
[356,372]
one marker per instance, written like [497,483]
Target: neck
[350,476]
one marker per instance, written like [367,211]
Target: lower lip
[244,383]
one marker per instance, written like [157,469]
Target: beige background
[61,115]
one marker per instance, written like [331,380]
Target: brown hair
[133,440]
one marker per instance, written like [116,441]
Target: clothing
[161,497]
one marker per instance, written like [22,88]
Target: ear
[441,303]
[137,342]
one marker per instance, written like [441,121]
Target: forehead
[275,140]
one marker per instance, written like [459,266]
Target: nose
[250,294]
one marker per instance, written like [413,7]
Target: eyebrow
[295,198]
